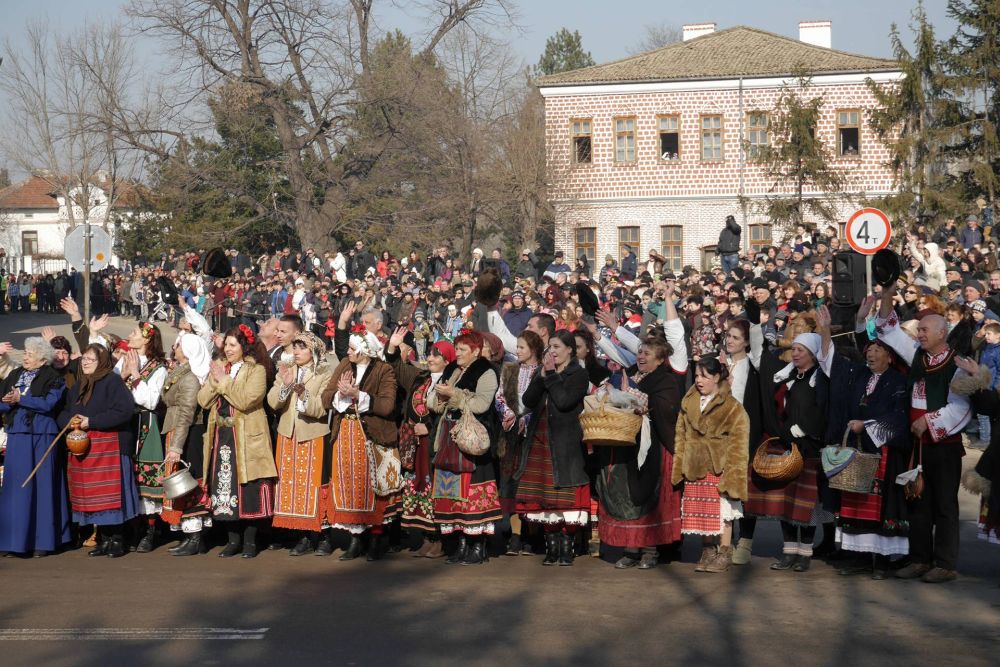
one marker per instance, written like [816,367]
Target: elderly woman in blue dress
[34,517]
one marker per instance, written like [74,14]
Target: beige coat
[245,393]
[307,425]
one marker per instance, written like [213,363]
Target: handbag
[915,489]
[468,434]
[858,474]
[384,466]
[408,440]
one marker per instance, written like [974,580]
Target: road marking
[129,634]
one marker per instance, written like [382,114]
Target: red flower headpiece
[358,329]
[147,329]
[247,333]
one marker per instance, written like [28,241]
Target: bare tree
[656,36]
[301,59]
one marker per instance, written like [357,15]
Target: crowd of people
[367,403]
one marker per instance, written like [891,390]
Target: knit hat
[979,306]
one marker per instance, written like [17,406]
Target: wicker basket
[610,426]
[858,475]
[782,467]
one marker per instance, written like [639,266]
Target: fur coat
[713,440]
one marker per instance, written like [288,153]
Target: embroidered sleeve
[889,331]
[950,419]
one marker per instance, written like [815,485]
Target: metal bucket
[179,483]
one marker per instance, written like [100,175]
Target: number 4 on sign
[868,231]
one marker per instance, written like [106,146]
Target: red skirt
[701,506]
[95,479]
[866,506]
[661,526]
[537,490]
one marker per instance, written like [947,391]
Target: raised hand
[5,347]
[98,323]
[286,375]
[346,314]
[966,364]
[70,308]
[823,318]
[865,309]
[397,337]
[607,319]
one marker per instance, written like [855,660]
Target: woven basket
[858,475]
[610,426]
[782,467]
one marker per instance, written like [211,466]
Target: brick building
[655,150]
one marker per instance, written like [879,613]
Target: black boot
[551,549]
[180,546]
[192,546]
[476,553]
[116,546]
[567,548]
[786,563]
[233,546]
[376,547]
[325,546]
[458,555]
[303,546]
[250,541]
[101,549]
[353,549]
[146,544]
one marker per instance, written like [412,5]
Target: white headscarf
[197,354]
[366,343]
[811,342]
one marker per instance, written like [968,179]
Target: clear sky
[608,29]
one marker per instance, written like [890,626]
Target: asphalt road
[155,609]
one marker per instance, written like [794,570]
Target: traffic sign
[868,231]
[100,248]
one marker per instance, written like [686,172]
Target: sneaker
[939,575]
[913,570]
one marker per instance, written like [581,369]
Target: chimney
[693,30]
[817,33]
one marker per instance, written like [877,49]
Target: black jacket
[561,395]
[729,238]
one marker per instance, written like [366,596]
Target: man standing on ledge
[729,245]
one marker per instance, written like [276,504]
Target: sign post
[868,230]
[88,248]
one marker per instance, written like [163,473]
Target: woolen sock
[806,550]
[790,548]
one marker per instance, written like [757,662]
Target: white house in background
[34,220]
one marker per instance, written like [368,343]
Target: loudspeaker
[850,279]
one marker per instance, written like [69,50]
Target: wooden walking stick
[47,452]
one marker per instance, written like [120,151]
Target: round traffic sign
[868,231]
[100,248]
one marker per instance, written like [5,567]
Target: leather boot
[458,555]
[116,547]
[376,547]
[302,547]
[707,554]
[476,553]
[233,547]
[101,547]
[325,546]
[250,541]
[786,562]
[567,548]
[192,546]
[436,551]
[353,549]
[180,546]
[722,560]
[146,544]
[551,549]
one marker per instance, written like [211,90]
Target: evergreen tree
[563,52]
[973,57]
[797,160]
[912,117]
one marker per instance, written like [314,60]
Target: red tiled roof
[36,192]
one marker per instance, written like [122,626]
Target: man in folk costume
[144,370]
[302,446]
[938,415]
[362,395]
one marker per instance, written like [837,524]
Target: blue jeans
[729,262]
